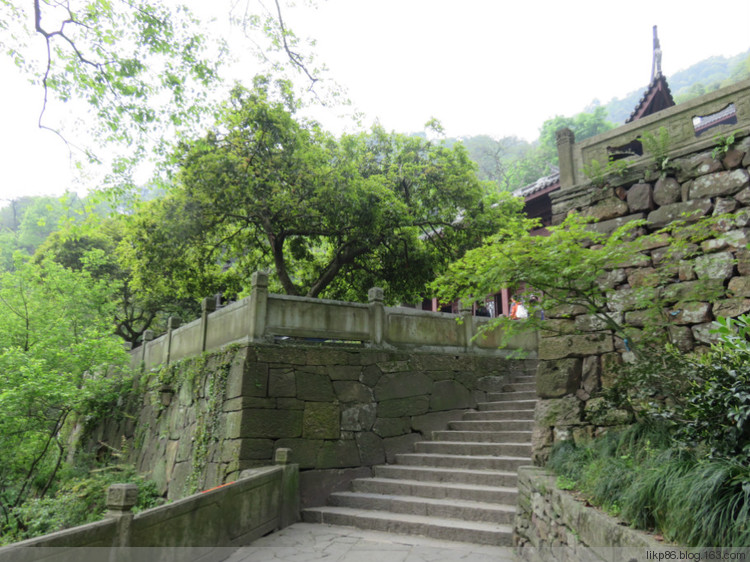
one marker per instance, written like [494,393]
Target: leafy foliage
[570,267]
[658,145]
[598,174]
[128,60]
[56,343]
[80,498]
[724,144]
[704,399]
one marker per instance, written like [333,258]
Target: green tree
[56,344]
[584,125]
[573,266]
[26,222]
[265,190]
[509,162]
[133,313]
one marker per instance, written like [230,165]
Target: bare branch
[294,57]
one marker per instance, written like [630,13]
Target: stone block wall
[341,410]
[552,525]
[577,356]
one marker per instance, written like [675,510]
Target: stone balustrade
[264,317]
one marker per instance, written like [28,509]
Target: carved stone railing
[265,318]
[692,127]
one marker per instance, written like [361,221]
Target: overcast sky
[491,67]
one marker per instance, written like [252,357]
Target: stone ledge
[550,521]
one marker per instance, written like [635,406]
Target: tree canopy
[266,190]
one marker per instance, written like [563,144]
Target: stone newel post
[289,492]
[467,324]
[208,305]
[120,501]
[377,316]
[258,306]
[172,324]
[148,336]
[565,140]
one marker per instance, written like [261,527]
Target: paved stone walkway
[310,542]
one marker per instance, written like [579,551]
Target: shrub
[79,499]
[657,485]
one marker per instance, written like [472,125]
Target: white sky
[495,67]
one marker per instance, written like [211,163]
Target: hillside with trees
[250,185]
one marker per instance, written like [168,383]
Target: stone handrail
[691,127]
[233,515]
[265,317]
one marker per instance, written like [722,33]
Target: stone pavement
[310,542]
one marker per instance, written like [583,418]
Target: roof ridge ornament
[656,64]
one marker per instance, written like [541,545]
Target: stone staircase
[460,486]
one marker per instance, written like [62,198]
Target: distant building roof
[539,185]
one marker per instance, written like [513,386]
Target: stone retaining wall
[340,410]
[552,525]
[580,358]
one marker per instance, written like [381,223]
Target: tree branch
[294,57]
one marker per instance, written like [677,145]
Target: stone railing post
[148,336]
[467,323]
[120,501]
[208,305]
[172,324]
[375,298]
[258,306]
[289,492]
[565,140]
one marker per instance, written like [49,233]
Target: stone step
[455,509]
[507,405]
[433,527]
[436,490]
[520,387]
[470,462]
[511,396]
[472,448]
[452,474]
[511,415]
[483,436]
[492,425]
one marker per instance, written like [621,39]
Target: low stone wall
[199,422]
[263,500]
[578,357]
[551,525]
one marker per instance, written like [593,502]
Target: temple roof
[656,97]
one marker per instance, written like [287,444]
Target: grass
[643,477]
